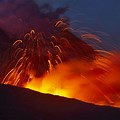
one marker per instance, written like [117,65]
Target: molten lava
[92,82]
[59,63]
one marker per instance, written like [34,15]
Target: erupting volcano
[59,63]
[52,59]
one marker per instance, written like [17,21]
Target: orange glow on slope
[86,81]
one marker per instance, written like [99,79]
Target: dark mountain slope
[24,104]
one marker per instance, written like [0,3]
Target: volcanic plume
[43,54]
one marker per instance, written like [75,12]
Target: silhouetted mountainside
[24,104]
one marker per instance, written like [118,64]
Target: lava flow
[60,63]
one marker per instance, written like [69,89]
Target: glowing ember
[61,64]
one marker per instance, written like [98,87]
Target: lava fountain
[59,63]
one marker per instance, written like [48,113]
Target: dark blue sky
[100,15]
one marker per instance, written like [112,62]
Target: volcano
[43,53]
[23,104]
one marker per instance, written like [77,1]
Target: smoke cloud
[18,17]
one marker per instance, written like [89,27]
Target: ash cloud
[20,16]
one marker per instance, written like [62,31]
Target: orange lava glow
[94,82]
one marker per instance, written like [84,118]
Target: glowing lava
[87,81]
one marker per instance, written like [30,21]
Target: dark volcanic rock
[24,104]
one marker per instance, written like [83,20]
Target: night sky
[99,15]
